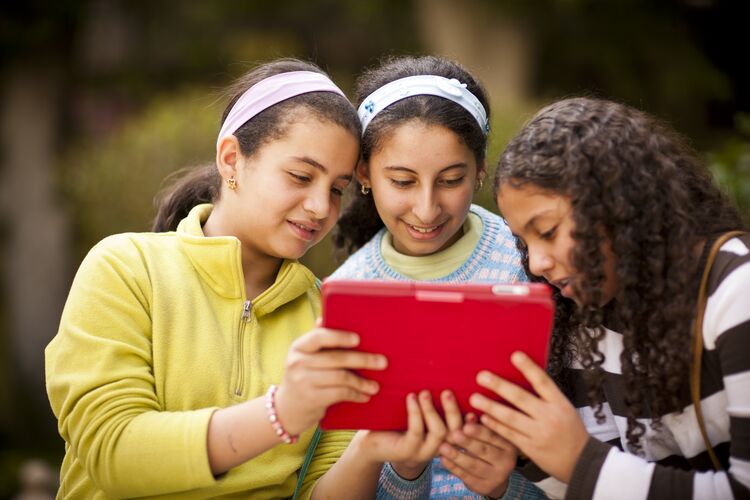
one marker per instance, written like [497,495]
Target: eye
[548,235]
[452,182]
[337,191]
[401,183]
[300,177]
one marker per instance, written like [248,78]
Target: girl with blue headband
[181,368]
[425,122]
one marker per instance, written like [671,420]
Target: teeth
[424,229]
[302,227]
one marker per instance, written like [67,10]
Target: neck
[259,274]
[258,268]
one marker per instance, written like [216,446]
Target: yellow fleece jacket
[152,340]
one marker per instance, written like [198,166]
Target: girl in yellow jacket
[181,368]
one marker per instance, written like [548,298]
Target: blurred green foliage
[111,183]
[730,164]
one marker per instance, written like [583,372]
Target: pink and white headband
[270,91]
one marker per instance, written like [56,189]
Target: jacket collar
[218,261]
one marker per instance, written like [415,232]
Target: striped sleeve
[603,472]
[726,328]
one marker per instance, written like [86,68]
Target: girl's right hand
[318,374]
[411,451]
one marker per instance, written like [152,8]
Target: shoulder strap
[306,463]
[695,370]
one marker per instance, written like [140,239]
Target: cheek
[390,203]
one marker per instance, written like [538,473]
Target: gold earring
[480,183]
[232,183]
[364,190]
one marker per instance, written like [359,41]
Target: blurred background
[101,99]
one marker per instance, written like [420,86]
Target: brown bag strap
[695,370]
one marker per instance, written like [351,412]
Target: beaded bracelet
[273,417]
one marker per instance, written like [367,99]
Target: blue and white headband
[410,86]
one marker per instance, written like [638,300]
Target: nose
[427,206]
[540,261]
[318,203]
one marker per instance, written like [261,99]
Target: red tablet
[436,337]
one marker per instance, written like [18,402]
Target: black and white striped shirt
[675,463]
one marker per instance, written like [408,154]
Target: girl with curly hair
[615,211]
[425,124]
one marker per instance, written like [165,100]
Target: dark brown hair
[202,184]
[360,220]
[636,184]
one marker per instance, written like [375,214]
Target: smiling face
[422,178]
[288,193]
[544,222]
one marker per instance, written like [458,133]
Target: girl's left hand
[546,428]
[411,451]
[479,457]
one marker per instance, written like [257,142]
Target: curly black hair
[635,183]
[360,221]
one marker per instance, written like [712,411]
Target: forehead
[521,204]
[416,143]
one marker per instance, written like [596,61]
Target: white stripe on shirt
[623,476]
[739,397]
[713,485]
[728,306]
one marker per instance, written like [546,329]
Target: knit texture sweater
[494,259]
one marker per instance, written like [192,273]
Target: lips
[303,229]
[565,286]
[424,229]
[422,232]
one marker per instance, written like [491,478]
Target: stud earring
[364,190]
[232,183]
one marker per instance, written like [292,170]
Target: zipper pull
[246,310]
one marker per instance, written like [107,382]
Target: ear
[227,157]
[481,171]
[362,173]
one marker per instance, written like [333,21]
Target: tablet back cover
[436,337]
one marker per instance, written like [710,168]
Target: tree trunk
[36,247]
[492,46]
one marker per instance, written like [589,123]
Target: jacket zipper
[244,320]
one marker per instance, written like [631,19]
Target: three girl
[613,210]
[425,122]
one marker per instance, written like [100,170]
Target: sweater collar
[218,261]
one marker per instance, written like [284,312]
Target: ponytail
[187,188]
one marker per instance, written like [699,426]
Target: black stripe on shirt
[739,429]
[733,346]
[667,483]
[711,375]
[614,392]
[739,490]
[587,469]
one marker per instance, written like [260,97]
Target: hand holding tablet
[436,337]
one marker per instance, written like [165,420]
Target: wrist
[363,450]
[283,433]
[498,492]
[409,470]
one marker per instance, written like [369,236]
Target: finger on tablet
[453,417]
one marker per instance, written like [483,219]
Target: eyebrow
[319,166]
[398,168]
